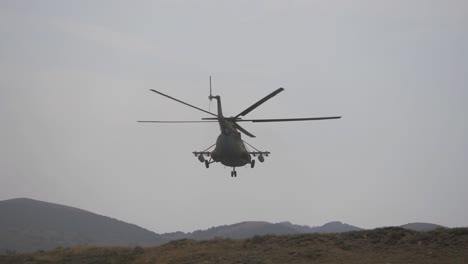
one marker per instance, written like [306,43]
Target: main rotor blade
[175,122]
[241,129]
[177,100]
[273,120]
[257,104]
[288,119]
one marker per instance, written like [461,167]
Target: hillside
[384,245]
[28,225]
[421,226]
[331,227]
[238,230]
[252,228]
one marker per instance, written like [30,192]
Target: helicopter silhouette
[229,149]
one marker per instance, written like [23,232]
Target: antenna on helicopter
[210,97]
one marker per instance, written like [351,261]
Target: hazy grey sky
[74,78]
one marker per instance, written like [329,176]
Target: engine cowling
[201,158]
[261,158]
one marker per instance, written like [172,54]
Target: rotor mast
[224,125]
[218,102]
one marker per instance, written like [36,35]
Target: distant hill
[235,231]
[28,225]
[259,228]
[421,226]
[332,227]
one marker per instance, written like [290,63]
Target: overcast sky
[74,78]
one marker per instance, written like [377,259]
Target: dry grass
[385,245]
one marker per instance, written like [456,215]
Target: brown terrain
[383,245]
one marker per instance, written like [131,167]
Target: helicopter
[230,149]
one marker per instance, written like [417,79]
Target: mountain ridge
[28,225]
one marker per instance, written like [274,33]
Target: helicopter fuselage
[230,150]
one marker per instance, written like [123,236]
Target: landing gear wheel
[252,164]
[233,172]
[207,164]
